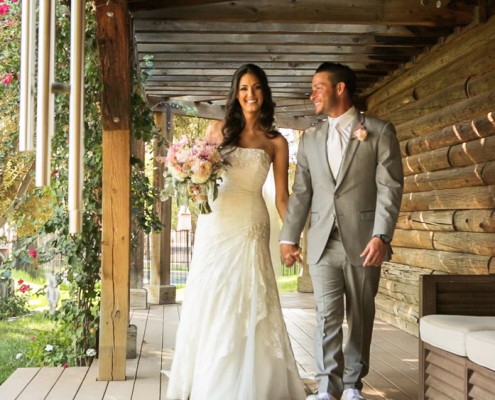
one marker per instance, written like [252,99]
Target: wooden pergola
[425,65]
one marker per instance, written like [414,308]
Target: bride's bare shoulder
[214,132]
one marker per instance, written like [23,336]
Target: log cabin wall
[443,107]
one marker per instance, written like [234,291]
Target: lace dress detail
[259,231]
[232,341]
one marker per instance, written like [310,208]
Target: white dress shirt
[339,132]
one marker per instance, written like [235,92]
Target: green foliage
[49,349]
[78,317]
[16,303]
[143,199]
[143,194]
[192,127]
[15,341]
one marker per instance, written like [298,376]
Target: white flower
[201,171]
[91,352]
[18,356]
[48,347]
[360,133]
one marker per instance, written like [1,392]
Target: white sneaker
[352,394]
[321,396]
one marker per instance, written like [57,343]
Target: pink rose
[7,78]
[24,288]
[4,9]
[178,172]
[33,253]
[183,155]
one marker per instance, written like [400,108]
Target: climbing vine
[40,217]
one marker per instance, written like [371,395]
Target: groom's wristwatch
[384,238]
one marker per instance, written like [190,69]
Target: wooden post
[159,290]
[137,258]
[138,295]
[113,43]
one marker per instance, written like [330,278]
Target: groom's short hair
[340,73]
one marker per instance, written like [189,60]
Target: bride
[232,341]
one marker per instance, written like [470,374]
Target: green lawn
[15,339]
[287,283]
[17,334]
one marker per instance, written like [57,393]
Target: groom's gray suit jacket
[363,201]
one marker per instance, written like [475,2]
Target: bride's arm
[281,174]
[214,132]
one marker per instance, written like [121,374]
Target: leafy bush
[43,212]
[15,301]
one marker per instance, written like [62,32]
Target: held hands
[374,252]
[290,253]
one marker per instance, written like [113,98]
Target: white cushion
[448,332]
[480,348]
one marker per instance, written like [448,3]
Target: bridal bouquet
[193,169]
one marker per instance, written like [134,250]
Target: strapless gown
[232,343]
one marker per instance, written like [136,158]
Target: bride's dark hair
[234,119]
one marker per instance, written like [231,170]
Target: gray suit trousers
[335,279]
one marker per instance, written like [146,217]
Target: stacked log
[443,107]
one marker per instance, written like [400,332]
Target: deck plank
[41,385]
[394,363]
[91,388]
[393,373]
[123,390]
[16,383]
[147,385]
[68,383]
[170,324]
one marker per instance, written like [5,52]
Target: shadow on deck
[393,374]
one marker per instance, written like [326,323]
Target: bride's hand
[290,253]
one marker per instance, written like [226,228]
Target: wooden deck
[393,375]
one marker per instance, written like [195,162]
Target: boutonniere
[360,133]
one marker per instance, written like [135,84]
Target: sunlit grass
[287,283]
[16,333]
[36,282]
[15,339]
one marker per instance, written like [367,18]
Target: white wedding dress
[232,342]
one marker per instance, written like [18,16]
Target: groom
[349,181]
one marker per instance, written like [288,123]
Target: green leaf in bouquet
[210,189]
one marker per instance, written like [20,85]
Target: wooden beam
[388,12]
[113,42]
[276,48]
[157,25]
[235,59]
[154,4]
[288,38]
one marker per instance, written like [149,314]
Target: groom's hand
[374,253]
[290,253]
